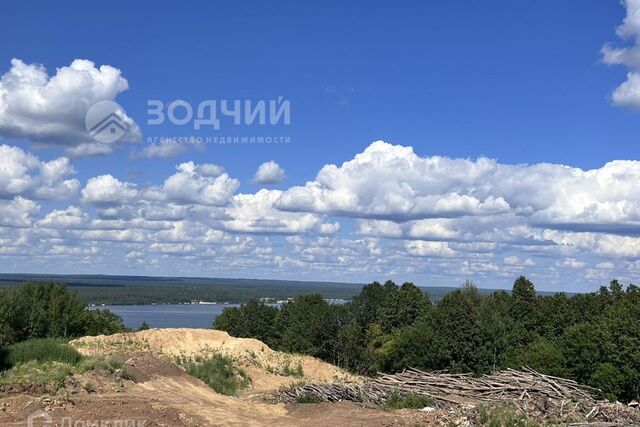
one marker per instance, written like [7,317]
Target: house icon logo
[40,418]
[106,122]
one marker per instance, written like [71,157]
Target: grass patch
[505,414]
[219,373]
[40,350]
[397,400]
[308,397]
[53,373]
[49,362]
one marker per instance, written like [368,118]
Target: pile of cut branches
[509,384]
[537,395]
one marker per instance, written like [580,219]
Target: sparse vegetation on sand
[219,373]
[287,370]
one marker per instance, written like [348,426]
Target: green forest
[592,338]
[48,310]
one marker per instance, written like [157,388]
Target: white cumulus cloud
[628,93]
[17,212]
[107,190]
[50,110]
[391,182]
[269,173]
[23,174]
[195,185]
[255,213]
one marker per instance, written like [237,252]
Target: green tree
[418,345]
[457,322]
[592,338]
[525,304]
[252,320]
[401,306]
[231,320]
[351,349]
[555,315]
[609,379]
[7,331]
[583,346]
[498,331]
[542,355]
[102,322]
[40,310]
[365,305]
[304,322]
[43,310]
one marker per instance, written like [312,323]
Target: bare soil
[162,394]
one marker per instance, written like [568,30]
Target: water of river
[168,315]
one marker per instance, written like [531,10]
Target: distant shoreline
[145,290]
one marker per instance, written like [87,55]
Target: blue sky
[516,82]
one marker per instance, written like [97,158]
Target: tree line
[593,338]
[49,310]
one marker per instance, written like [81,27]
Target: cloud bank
[387,212]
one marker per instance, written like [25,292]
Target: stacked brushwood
[537,395]
[448,389]
[502,386]
[323,392]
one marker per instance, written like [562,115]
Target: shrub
[308,397]
[102,322]
[252,320]
[144,326]
[501,415]
[609,379]
[398,400]
[219,373]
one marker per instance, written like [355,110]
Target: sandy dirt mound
[162,394]
[266,368]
